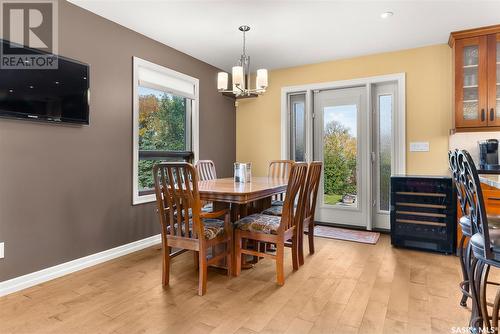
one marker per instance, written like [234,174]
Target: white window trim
[195,134]
[399,144]
[399,147]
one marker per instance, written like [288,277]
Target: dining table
[242,198]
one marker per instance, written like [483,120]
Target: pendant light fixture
[241,76]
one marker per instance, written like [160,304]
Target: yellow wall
[428,104]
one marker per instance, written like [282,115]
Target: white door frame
[398,121]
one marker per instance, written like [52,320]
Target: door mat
[365,237]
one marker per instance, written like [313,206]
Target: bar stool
[464,247]
[485,245]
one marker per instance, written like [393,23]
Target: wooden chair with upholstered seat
[273,229]
[184,226]
[309,207]
[206,170]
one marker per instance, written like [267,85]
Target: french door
[340,141]
[354,132]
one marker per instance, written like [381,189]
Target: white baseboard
[44,275]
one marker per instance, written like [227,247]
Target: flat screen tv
[58,95]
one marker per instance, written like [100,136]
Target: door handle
[482,115]
[492,114]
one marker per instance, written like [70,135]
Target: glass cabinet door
[497,75]
[471,82]
[494,80]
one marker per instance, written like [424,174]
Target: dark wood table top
[226,190]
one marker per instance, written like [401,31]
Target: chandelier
[241,76]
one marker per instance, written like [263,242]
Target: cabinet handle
[492,114]
[494,198]
[482,115]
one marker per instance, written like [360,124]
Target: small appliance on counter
[488,155]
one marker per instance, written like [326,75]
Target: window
[384,150]
[165,122]
[297,126]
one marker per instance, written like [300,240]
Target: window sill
[144,199]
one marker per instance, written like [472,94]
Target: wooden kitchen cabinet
[491,196]
[476,56]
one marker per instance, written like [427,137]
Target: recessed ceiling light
[386,15]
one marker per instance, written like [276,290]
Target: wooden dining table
[242,198]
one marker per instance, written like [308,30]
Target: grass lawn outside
[332,199]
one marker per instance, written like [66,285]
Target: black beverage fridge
[423,213]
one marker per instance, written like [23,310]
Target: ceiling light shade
[241,76]
[261,79]
[238,81]
[222,80]
[386,15]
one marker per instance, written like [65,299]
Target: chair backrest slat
[178,199]
[312,186]
[295,191]
[469,178]
[453,157]
[280,168]
[206,170]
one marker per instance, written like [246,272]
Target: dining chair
[279,169]
[206,170]
[309,207]
[273,229]
[184,226]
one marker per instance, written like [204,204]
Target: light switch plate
[419,146]
[2,254]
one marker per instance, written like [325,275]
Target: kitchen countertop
[488,171]
[491,180]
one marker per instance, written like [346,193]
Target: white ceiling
[290,33]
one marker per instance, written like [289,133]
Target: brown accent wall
[66,191]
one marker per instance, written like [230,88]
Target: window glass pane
[470,82]
[385,131]
[162,127]
[297,127]
[299,130]
[340,155]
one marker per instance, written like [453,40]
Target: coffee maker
[488,154]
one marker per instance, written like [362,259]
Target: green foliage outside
[162,119]
[332,199]
[339,162]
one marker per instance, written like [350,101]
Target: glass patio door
[341,137]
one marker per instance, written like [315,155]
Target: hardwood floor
[345,287]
